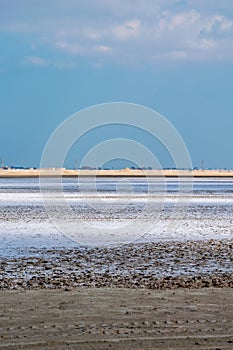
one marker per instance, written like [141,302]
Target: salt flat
[107,215]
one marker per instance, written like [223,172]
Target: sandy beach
[34,173]
[116,319]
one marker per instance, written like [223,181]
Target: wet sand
[111,318]
[159,265]
[143,296]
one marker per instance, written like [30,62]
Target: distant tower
[2,163]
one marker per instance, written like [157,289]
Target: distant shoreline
[53,172]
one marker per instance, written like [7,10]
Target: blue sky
[58,57]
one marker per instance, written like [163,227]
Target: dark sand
[162,265]
[145,296]
[112,318]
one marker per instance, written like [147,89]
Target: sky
[60,56]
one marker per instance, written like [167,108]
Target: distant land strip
[57,172]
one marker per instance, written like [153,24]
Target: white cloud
[183,19]
[218,27]
[36,61]
[180,55]
[103,48]
[138,31]
[127,30]
[42,62]
[73,48]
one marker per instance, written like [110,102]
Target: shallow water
[113,211]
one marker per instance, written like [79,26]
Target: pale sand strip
[114,173]
[116,319]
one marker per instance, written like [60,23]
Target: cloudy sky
[175,56]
